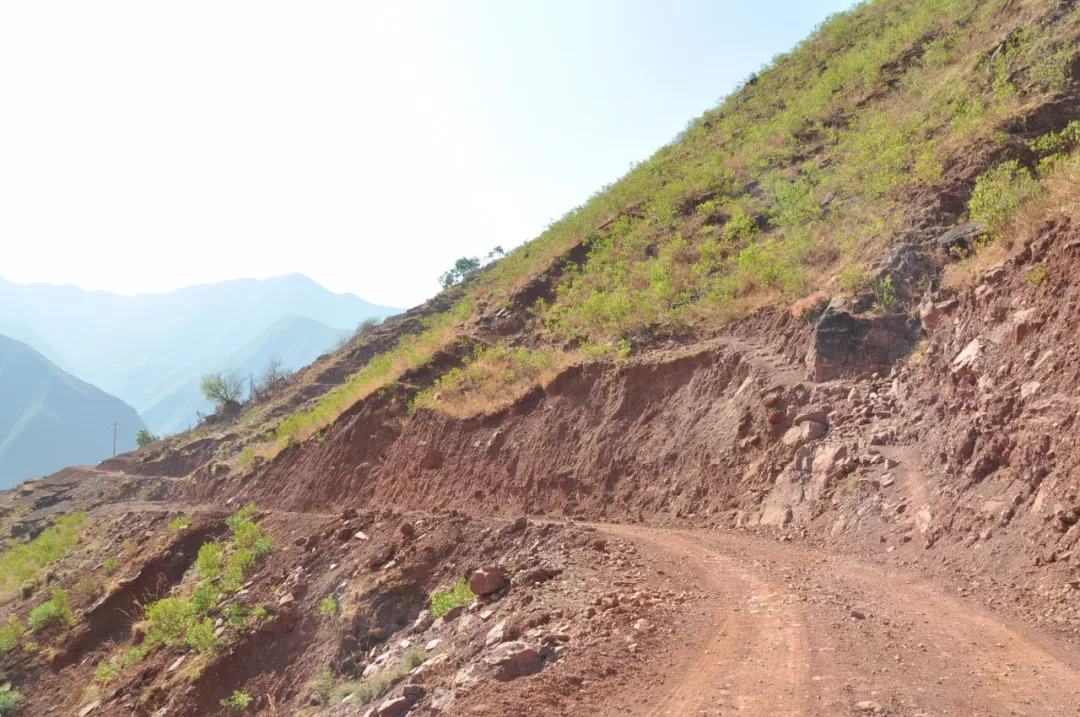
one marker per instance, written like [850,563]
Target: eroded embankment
[677,434]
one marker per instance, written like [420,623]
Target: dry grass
[494,379]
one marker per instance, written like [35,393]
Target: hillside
[783,422]
[295,340]
[50,419]
[21,332]
[146,347]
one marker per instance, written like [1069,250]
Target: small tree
[367,325]
[466,265]
[274,375]
[221,388]
[144,438]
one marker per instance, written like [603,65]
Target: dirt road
[790,631]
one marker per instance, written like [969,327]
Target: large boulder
[486,581]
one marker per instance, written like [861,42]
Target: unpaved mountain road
[788,630]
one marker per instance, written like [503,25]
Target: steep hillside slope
[143,348]
[809,371]
[295,340]
[21,332]
[50,419]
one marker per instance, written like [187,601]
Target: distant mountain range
[49,419]
[149,350]
[296,340]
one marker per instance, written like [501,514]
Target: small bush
[413,659]
[324,684]
[9,700]
[204,598]
[27,589]
[10,634]
[200,635]
[133,655]
[57,610]
[144,438]
[169,619]
[328,607]
[106,671]
[209,562]
[853,279]
[445,600]
[178,523]
[110,565]
[1037,275]
[999,193]
[233,615]
[237,701]
[884,294]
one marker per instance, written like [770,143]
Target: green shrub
[106,671]
[111,564]
[178,523]
[56,610]
[205,598]
[999,193]
[209,561]
[233,615]
[169,620]
[853,279]
[27,589]
[9,700]
[10,634]
[1037,275]
[445,600]
[237,701]
[144,438]
[324,684]
[328,607]
[200,635]
[884,294]
[133,655]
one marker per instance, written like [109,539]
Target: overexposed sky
[146,146]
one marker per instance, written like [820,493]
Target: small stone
[868,707]
[858,614]
[286,600]
[409,531]
[89,708]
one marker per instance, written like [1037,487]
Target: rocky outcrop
[849,345]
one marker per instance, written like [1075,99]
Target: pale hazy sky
[146,146]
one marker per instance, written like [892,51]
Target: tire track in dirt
[778,636]
[752,655]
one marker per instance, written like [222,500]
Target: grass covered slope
[50,419]
[890,124]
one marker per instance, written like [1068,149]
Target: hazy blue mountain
[22,332]
[296,340]
[49,419]
[147,347]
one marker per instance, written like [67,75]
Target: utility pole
[115,425]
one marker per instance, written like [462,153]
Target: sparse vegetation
[10,634]
[144,438]
[374,687]
[9,700]
[57,611]
[1037,275]
[110,564]
[999,194]
[178,523]
[238,701]
[328,607]
[21,562]
[445,600]
[222,388]
[884,295]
